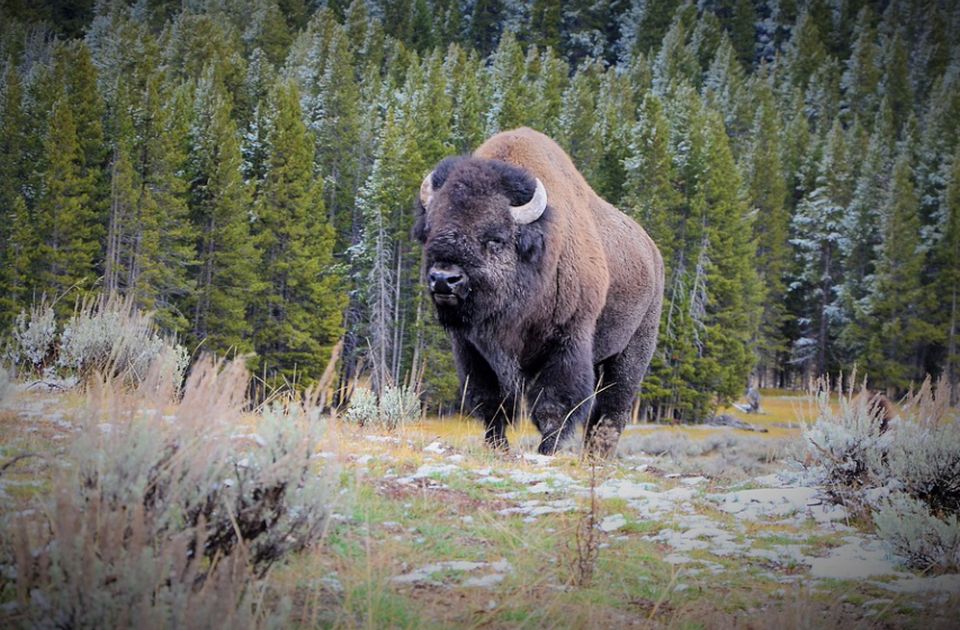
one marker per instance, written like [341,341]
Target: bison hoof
[549,446]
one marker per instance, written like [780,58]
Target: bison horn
[531,211]
[426,189]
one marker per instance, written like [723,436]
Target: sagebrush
[396,407]
[171,514]
[900,469]
[106,334]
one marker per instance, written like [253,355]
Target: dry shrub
[170,514]
[33,337]
[905,474]
[916,534]
[848,445]
[109,335]
[398,406]
[106,334]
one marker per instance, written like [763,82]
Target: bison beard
[547,292]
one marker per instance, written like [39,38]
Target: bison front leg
[481,393]
[563,394]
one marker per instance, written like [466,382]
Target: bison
[548,293]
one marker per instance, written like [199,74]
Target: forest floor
[691,527]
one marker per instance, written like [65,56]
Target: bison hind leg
[618,381]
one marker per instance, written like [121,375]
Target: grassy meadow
[429,529]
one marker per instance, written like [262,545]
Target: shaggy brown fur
[568,316]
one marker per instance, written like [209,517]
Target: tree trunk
[952,358]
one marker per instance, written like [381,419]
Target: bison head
[484,226]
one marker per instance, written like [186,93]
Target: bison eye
[494,245]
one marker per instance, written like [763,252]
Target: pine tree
[742,28]
[578,119]
[545,23]
[947,287]
[159,279]
[334,115]
[15,224]
[374,255]
[226,279]
[485,25]
[725,87]
[767,192]
[733,291]
[675,63]
[66,224]
[711,307]
[297,315]
[543,113]
[893,357]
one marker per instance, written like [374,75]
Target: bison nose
[446,279]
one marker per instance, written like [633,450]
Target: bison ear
[530,243]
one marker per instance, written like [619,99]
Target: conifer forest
[246,171]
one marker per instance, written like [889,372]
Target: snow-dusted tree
[549,74]
[861,236]
[805,52]
[462,78]
[373,256]
[816,234]
[675,62]
[578,119]
[333,111]
[725,88]
[508,93]
[648,192]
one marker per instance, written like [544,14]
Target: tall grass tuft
[171,513]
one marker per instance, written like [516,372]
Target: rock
[434,447]
[948,583]
[859,558]
[422,575]
[428,470]
[612,523]
[767,502]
